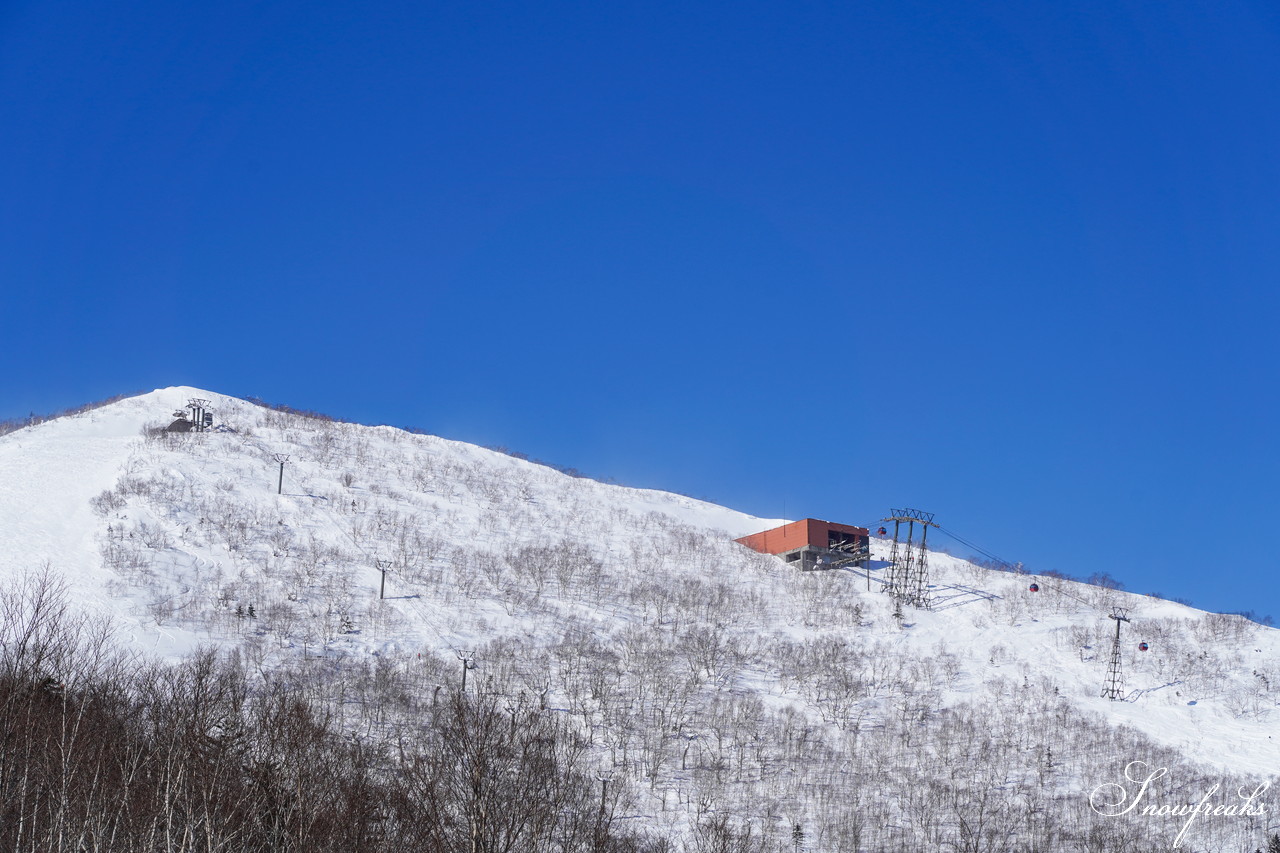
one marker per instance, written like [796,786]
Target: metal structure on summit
[201,414]
[1113,689]
[908,580]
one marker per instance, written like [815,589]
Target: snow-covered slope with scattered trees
[725,696]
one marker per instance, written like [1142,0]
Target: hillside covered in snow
[709,685]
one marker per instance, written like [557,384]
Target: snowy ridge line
[713,680]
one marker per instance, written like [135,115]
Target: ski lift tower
[201,414]
[1113,689]
[908,580]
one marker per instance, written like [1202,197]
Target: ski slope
[533,571]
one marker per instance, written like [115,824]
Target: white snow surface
[1203,689]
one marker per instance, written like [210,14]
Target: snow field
[715,680]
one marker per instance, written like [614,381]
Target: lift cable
[1016,567]
[1113,688]
[981,551]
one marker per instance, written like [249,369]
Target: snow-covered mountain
[714,680]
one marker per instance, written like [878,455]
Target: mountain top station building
[813,544]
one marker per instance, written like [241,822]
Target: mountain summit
[711,679]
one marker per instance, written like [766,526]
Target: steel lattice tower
[1113,689]
[908,580]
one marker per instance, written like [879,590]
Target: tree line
[101,751]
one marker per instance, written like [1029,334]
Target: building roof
[813,532]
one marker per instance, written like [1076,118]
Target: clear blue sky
[1015,263]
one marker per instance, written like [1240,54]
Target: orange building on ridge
[813,543]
